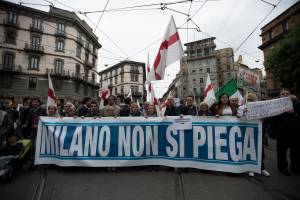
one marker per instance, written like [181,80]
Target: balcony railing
[65,73]
[34,48]
[10,68]
[79,41]
[37,29]
[60,33]
[84,79]
[10,23]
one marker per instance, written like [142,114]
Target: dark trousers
[282,147]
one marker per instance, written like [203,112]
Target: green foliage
[284,59]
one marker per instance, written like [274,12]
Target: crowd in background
[23,121]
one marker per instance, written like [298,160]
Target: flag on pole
[231,89]
[149,84]
[170,50]
[209,94]
[138,104]
[51,100]
[164,105]
[154,101]
[103,94]
[129,94]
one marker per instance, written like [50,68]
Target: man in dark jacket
[125,110]
[85,107]
[286,131]
[171,109]
[189,109]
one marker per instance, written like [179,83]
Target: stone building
[35,42]
[271,35]
[124,76]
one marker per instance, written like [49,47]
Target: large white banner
[222,144]
[268,108]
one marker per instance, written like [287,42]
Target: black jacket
[172,111]
[188,110]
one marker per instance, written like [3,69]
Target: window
[35,42]
[193,71]
[78,51]
[116,90]
[228,67]
[8,60]
[131,76]
[94,62]
[286,25]
[201,80]
[58,66]
[11,36]
[12,17]
[60,43]
[194,80]
[79,37]
[77,86]
[77,70]
[199,52]
[34,62]
[5,81]
[122,77]
[228,74]
[57,84]
[32,82]
[122,90]
[85,90]
[37,23]
[136,77]
[60,28]
[206,51]
[116,79]
[195,90]
[93,78]
[208,70]
[86,57]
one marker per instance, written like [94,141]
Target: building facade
[225,64]
[271,34]
[35,42]
[199,61]
[248,79]
[124,76]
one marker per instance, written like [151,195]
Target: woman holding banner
[224,108]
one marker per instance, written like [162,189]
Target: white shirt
[227,111]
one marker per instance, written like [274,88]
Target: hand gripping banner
[223,144]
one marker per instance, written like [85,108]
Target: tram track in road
[179,192]
[40,187]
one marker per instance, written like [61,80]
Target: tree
[284,59]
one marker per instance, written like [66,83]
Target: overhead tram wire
[94,25]
[102,14]
[269,13]
[138,6]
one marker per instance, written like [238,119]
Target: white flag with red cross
[170,50]
[209,94]
[51,100]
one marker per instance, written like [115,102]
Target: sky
[133,33]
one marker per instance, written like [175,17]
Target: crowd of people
[23,122]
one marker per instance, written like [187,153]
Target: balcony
[34,48]
[10,68]
[136,94]
[60,33]
[10,23]
[134,71]
[36,29]
[64,73]
[89,64]
[79,41]
[84,79]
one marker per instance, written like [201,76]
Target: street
[139,183]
